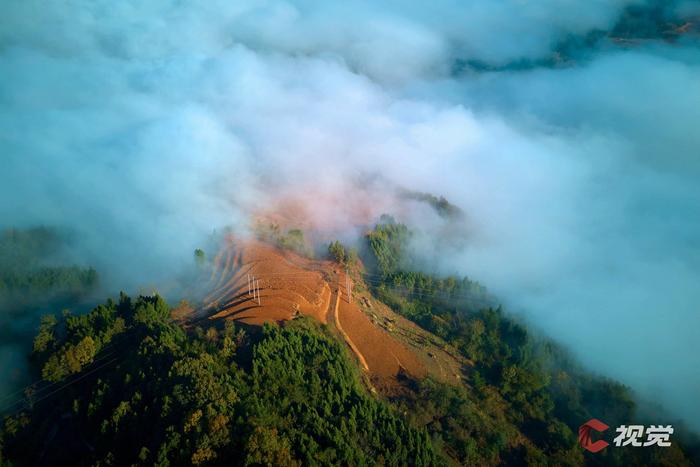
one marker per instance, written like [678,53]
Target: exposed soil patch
[253,282]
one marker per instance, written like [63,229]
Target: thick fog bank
[144,126]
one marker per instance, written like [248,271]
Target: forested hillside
[38,275]
[31,271]
[525,397]
[127,385]
[132,387]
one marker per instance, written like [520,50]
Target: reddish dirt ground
[287,285]
[385,356]
[290,284]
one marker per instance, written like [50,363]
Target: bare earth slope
[385,345]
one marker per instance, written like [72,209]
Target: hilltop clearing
[254,282]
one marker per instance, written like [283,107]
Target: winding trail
[336,320]
[291,285]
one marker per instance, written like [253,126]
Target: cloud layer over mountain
[144,126]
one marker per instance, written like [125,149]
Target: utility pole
[248,277]
[258,288]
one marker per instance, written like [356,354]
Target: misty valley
[291,233]
[136,380]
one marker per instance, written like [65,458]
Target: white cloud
[146,125]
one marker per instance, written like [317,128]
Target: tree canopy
[138,388]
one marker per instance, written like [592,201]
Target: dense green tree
[126,385]
[336,251]
[388,243]
[525,397]
[28,280]
[137,388]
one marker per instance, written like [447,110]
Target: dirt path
[336,320]
[385,345]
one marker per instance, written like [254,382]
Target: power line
[253,284]
[49,386]
[110,348]
[81,377]
[378,279]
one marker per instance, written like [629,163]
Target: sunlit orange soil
[290,285]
